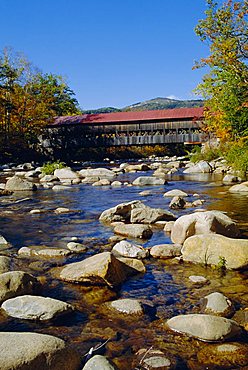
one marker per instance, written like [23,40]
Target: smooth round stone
[35,211]
[126,249]
[127,306]
[157,362]
[217,304]
[207,328]
[98,362]
[145,193]
[31,307]
[76,247]
[51,252]
[60,187]
[116,184]
[62,210]
[175,193]
[197,279]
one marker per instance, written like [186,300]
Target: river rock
[51,252]
[121,212]
[100,173]
[224,356]
[145,193]
[198,280]
[217,304]
[132,266]
[76,247]
[241,316]
[98,362]
[148,215]
[4,264]
[209,249]
[207,328]
[115,184]
[65,173]
[149,181]
[49,178]
[3,241]
[23,351]
[200,167]
[177,203]
[166,250]
[102,182]
[62,210]
[16,283]
[15,183]
[126,306]
[100,269]
[240,188]
[137,167]
[230,179]
[31,307]
[152,359]
[60,187]
[175,193]
[135,231]
[203,223]
[4,192]
[168,226]
[127,249]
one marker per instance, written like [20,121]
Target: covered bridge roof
[149,115]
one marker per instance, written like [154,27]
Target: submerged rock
[218,250]
[175,193]
[225,356]
[203,223]
[207,328]
[152,359]
[98,362]
[239,188]
[21,351]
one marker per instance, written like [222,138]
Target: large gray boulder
[121,212]
[15,183]
[148,181]
[100,269]
[26,351]
[216,250]
[98,362]
[127,249]
[207,328]
[100,173]
[148,215]
[203,223]
[16,283]
[136,231]
[31,307]
[200,167]
[239,188]
[65,174]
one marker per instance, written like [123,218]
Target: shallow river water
[164,289]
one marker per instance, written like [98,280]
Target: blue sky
[112,52]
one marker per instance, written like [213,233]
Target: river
[164,289]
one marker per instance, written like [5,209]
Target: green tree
[225,29]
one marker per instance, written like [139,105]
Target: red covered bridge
[182,125]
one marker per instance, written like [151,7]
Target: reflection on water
[164,288]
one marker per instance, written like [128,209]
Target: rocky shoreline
[214,332]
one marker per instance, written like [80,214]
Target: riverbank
[65,210]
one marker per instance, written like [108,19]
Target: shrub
[207,155]
[49,167]
[237,156]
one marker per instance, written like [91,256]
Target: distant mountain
[164,103]
[152,104]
